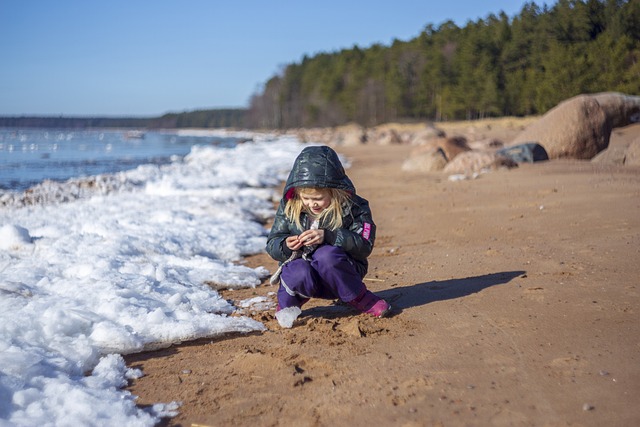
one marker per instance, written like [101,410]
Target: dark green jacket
[319,166]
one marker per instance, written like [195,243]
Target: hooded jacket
[319,166]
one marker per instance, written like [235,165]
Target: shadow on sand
[427,292]
[419,294]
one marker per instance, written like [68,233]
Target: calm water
[29,156]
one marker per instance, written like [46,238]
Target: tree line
[497,66]
[214,118]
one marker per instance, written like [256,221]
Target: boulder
[632,156]
[487,144]
[387,137]
[350,135]
[435,154]
[452,146]
[471,162]
[314,135]
[427,135]
[429,159]
[613,155]
[354,138]
[580,127]
[529,153]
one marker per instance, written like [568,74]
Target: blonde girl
[322,234]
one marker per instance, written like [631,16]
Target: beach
[515,298]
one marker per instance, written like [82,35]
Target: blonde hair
[330,218]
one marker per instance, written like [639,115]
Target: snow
[287,316]
[126,270]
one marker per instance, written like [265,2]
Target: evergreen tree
[490,67]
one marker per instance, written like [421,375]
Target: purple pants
[330,274]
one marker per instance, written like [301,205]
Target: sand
[516,298]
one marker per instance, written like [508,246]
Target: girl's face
[315,200]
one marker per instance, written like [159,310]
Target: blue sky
[149,57]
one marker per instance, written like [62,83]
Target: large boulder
[580,127]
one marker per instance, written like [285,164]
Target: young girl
[322,235]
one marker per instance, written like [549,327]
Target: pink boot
[368,302]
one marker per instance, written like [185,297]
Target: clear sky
[150,57]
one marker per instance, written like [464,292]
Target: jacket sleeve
[358,237]
[280,230]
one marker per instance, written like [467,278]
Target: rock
[349,135]
[387,137]
[621,109]
[471,162]
[612,155]
[452,146]
[314,135]
[431,159]
[486,144]
[529,153]
[632,156]
[426,135]
[580,127]
[432,156]
[354,138]
[627,154]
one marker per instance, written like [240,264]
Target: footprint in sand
[535,293]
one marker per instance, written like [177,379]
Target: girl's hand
[293,243]
[312,237]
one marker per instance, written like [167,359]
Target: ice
[14,237]
[287,316]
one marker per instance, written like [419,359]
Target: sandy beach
[515,303]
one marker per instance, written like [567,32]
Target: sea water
[30,156]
